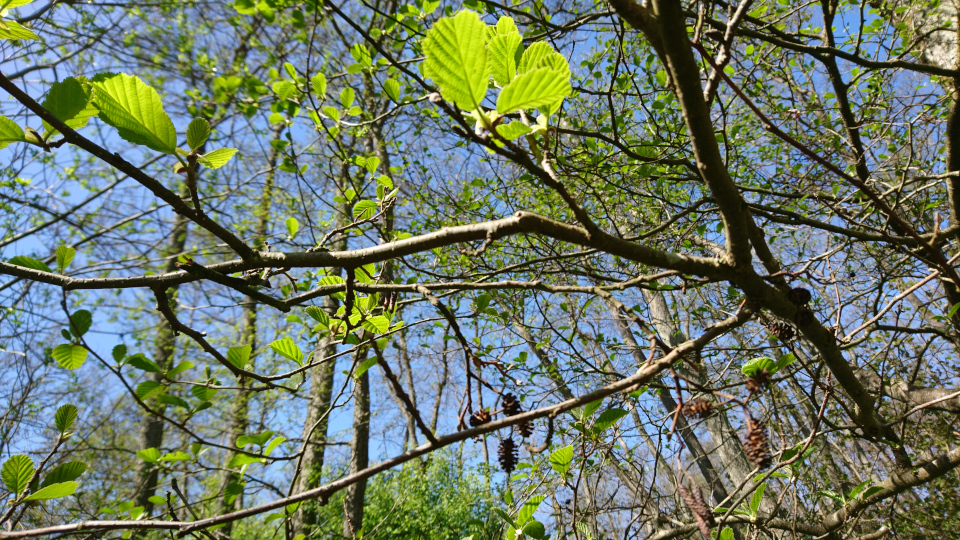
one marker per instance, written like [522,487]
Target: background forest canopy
[527,269]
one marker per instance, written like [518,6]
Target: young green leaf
[273,445]
[53,491]
[150,455]
[755,365]
[239,356]
[65,472]
[10,29]
[65,416]
[456,59]
[392,89]
[218,158]
[534,529]
[364,367]
[71,102]
[17,473]
[240,460]
[29,262]
[364,209]
[148,388]
[197,133]
[541,87]
[180,368]
[80,322]
[533,57]
[608,418]
[319,84]
[528,509]
[561,459]
[141,362]
[65,255]
[69,356]
[292,226]
[757,498]
[134,108]
[203,393]
[503,56]
[287,348]
[10,132]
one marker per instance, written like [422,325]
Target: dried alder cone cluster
[698,506]
[698,408]
[511,407]
[757,444]
[507,455]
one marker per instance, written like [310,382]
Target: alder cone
[758,382]
[701,512]
[783,331]
[511,405]
[757,444]
[697,408]
[800,296]
[507,455]
[479,418]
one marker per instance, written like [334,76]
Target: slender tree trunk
[151,429]
[359,455]
[231,482]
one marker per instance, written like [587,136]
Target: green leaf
[506,518]
[273,445]
[80,322]
[119,352]
[364,209]
[608,418]
[319,83]
[347,97]
[147,389]
[758,364]
[141,362]
[65,472]
[218,158]
[456,59]
[318,315]
[287,348]
[176,456]
[65,255]
[173,400]
[292,226]
[259,439]
[392,89]
[10,132]
[534,529]
[378,324]
[134,108]
[363,367]
[197,133]
[29,262]
[53,491]
[17,473]
[785,361]
[503,56]
[513,130]
[181,367]
[69,356]
[543,87]
[537,55]
[240,460]
[726,534]
[150,455]
[239,356]
[528,509]
[757,498]
[203,393]
[591,408]
[70,101]
[64,418]
[561,459]
[10,29]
